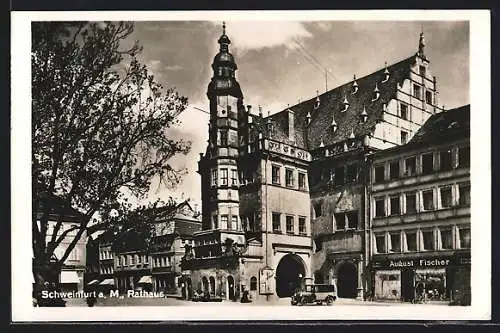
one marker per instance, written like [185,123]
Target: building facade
[420,214]
[290,190]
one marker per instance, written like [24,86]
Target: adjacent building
[420,214]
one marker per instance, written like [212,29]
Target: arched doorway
[347,280]
[204,283]
[230,287]
[289,274]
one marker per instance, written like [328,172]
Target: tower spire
[421,45]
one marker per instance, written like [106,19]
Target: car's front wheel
[329,300]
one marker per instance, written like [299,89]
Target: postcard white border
[480,92]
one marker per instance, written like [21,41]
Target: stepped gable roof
[331,105]
[444,127]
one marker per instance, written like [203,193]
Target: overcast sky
[273,69]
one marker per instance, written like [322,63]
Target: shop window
[223,177]
[234,177]
[446,239]
[428,199]
[379,174]
[289,225]
[404,111]
[464,236]
[352,173]
[395,205]
[411,203]
[253,283]
[394,170]
[276,174]
[352,219]
[404,137]
[289,178]
[428,240]
[463,157]
[223,137]
[396,242]
[445,163]
[464,194]
[410,166]
[223,222]
[380,243]
[446,199]
[317,209]
[234,222]
[379,207]
[427,163]
[411,241]
[417,91]
[302,181]
[302,226]
[214,177]
[276,223]
[339,175]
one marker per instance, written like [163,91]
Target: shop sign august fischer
[419,263]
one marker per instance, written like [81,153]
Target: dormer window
[334,124]
[308,118]
[364,115]
[386,74]
[345,104]
[376,93]
[317,102]
[355,86]
[321,144]
[351,136]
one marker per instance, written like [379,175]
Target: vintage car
[315,293]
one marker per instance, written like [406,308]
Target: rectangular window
[411,203]
[396,242]
[352,219]
[410,166]
[464,235]
[339,175]
[421,70]
[446,239]
[427,163]
[428,97]
[317,209]
[379,207]
[394,170]
[379,173]
[404,111]
[417,91]
[139,259]
[223,222]
[464,194]
[445,193]
[352,173]
[276,174]
[428,199]
[234,177]
[276,223]
[302,226]
[395,206]
[380,243]
[214,177]
[428,240]
[215,222]
[404,137]
[411,241]
[289,177]
[445,160]
[302,181]
[463,157]
[234,222]
[223,137]
[340,219]
[223,177]
[289,225]
[130,259]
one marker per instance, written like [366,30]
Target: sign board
[430,262]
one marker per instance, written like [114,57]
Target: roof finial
[421,44]
[223,27]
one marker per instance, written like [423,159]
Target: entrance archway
[347,280]
[289,274]
[230,287]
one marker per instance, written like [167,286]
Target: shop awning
[146,279]
[107,282]
[93,282]
[69,277]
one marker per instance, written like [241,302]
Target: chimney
[291,125]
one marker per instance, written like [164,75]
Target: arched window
[253,283]
[212,285]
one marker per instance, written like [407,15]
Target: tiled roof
[331,104]
[444,127]
[184,227]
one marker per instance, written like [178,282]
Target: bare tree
[99,128]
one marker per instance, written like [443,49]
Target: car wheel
[300,302]
[329,300]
